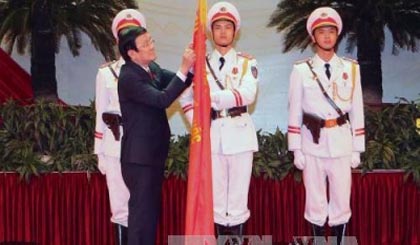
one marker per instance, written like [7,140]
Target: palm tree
[364,27]
[38,25]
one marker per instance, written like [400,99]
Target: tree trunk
[44,82]
[369,57]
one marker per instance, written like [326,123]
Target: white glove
[101,163]
[215,100]
[189,115]
[355,159]
[299,160]
[214,97]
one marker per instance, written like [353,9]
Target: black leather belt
[232,112]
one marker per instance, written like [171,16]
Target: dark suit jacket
[143,100]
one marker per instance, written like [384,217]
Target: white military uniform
[233,139]
[331,157]
[106,147]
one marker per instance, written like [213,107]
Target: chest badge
[345,76]
[235,70]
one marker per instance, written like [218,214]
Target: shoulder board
[107,64]
[245,55]
[302,61]
[351,60]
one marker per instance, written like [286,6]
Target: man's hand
[355,159]
[188,60]
[299,160]
[101,163]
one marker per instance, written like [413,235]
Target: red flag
[199,214]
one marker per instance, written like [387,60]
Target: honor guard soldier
[326,124]
[233,80]
[108,130]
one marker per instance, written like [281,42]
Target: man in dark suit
[145,91]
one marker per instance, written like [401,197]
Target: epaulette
[245,55]
[351,60]
[302,61]
[107,64]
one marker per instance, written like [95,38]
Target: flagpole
[199,211]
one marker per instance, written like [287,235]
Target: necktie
[327,70]
[222,62]
[149,72]
[154,82]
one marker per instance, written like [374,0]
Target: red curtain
[71,208]
[55,209]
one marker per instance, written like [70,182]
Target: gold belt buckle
[329,123]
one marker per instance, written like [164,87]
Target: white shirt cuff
[181,76]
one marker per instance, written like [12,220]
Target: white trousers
[117,190]
[315,175]
[231,179]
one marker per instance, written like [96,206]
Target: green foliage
[177,161]
[47,137]
[273,160]
[392,140]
